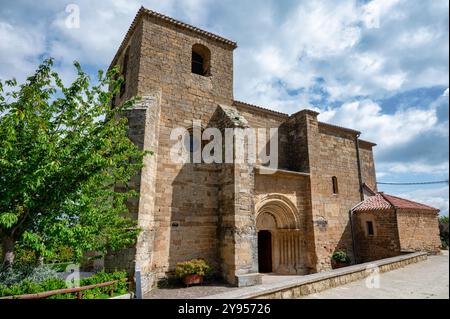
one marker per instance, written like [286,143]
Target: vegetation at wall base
[443,229]
[192,267]
[341,257]
[29,287]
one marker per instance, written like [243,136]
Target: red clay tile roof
[376,202]
[401,203]
[381,201]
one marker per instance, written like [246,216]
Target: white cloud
[386,129]
[376,11]
[334,41]
[415,167]
[435,197]
[403,137]
[19,50]
[102,27]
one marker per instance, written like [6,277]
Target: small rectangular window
[334,181]
[370,231]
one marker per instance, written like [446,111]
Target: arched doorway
[264,251]
[279,236]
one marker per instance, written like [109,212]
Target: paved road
[425,280]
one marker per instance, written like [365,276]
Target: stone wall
[238,250]
[418,231]
[261,118]
[368,165]
[331,152]
[143,123]
[133,45]
[385,241]
[187,203]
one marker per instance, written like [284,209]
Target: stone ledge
[126,296]
[271,171]
[304,285]
[249,280]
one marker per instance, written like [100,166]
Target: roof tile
[381,201]
[401,203]
[376,202]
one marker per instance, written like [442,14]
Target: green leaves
[8,220]
[28,286]
[192,267]
[63,150]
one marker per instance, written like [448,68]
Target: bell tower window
[334,181]
[201,60]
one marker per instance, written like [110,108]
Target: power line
[417,183]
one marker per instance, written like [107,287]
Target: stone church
[238,218]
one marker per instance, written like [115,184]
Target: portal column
[288,252]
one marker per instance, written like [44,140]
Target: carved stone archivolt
[277,214]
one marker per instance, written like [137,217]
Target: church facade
[243,218]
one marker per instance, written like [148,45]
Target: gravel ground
[181,292]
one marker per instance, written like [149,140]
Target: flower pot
[193,280]
[338,265]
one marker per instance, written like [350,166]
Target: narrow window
[334,180]
[201,60]
[124,72]
[370,231]
[197,63]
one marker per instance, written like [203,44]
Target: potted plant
[192,272]
[341,259]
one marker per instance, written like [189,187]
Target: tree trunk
[8,251]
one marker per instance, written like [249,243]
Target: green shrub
[192,267]
[443,230]
[18,273]
[29,287]
[59,267]
[23,256]
[341,257]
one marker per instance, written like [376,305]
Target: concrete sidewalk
[425,280]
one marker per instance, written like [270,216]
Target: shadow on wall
[194,212]
[345,244]
[194,215]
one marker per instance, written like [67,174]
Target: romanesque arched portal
[278,220]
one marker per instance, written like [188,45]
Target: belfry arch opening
[201,60]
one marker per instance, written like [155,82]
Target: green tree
[443,229]
[63,154]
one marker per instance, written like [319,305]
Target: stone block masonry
[239,219]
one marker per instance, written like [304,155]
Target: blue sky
[378,66]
